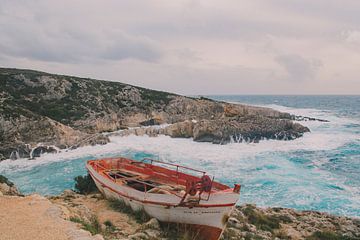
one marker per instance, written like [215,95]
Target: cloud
[65,47]
[297,67]
[40,36]
[351,36]
[189,46]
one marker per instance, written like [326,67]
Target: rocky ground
[91,217]
[41,112]
[251,222]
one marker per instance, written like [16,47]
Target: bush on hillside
[85,184]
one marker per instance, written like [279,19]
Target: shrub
[110,227]
[140,216]
[85,184]
[93,226]
[108,223]
[260,220]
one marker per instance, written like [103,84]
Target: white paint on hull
[157,205]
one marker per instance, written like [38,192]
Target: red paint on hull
[207,233]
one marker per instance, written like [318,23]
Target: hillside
[66,111]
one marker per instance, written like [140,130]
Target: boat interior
[153,177]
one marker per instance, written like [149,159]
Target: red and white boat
[167,192]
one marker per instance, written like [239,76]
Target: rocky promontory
[42,112]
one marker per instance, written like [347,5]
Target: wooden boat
[167,192]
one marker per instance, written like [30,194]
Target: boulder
[7,187]
[151,224]
[180,130]
[38,151]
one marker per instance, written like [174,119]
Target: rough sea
[320,171]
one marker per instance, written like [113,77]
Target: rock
[5,189]
[232,110]
[291,233]
[68,193]
[255,222]
[37,151]
[71,112]
[180,130]
[232,233]
[151,122]
[151,224]
[94,139]
[233,222]
[153,234]
[138,236]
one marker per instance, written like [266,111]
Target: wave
[272,172]
[323,136]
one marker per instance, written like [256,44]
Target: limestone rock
[5,189]
[151,224]
[69,112]
[139,236]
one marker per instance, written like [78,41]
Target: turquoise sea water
[320,171]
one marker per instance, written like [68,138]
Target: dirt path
[35,217]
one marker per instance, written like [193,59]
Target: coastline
[68,112]
[73,216]
[165,148]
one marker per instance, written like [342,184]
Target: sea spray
[299,174]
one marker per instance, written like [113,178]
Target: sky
[191,47]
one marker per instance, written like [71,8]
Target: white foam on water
[323,136]
[249,162]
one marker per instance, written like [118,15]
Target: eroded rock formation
[64,111]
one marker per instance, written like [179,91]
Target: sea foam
[273,173]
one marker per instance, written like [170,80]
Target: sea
[319,171]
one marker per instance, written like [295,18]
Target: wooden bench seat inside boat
[136,181]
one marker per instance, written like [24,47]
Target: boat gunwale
[104,185]
[217,186]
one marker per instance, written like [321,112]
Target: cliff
[64,111]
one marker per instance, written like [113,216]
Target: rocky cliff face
[65,111]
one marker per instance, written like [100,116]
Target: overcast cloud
[190,47]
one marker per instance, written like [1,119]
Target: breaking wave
[313,172]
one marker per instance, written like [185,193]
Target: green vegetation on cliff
[85,184]
[67,99]
[67,111]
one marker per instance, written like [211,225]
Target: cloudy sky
[190,46]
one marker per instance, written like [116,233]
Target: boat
[168,192]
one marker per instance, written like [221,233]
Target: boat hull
[208,220]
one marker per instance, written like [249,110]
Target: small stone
[233,222]
[153,234]
[68,194]
[139,236]
[151,224]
